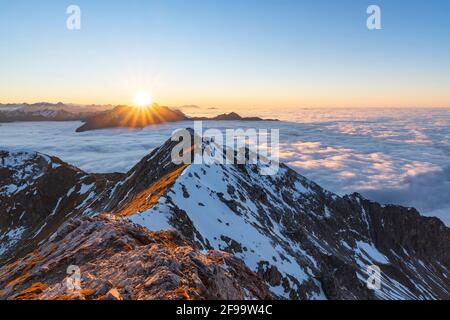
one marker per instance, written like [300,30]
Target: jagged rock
[337,276]
[115,263]
[270,274]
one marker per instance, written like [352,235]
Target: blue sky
[267,53]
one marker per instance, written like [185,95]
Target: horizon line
[223,108]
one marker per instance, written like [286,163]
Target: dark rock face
[145,183]
[120,260]
[38,193]
[337,277]
[269,274]
[132,117]
[305,242]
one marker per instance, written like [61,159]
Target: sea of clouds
[399,156]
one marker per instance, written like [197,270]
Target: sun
[142,99]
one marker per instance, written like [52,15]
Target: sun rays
[143,113]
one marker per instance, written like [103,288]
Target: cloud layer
[391,156]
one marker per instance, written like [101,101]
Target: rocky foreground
[121,260]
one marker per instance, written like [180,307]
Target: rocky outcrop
[120,260]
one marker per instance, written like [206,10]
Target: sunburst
[142,99]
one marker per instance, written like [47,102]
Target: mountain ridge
[303,241]
[104,117]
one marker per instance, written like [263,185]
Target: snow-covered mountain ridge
[305,242]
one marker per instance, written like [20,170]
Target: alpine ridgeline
[297,240]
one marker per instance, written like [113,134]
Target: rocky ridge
[120,260]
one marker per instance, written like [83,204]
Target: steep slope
[38,193]
[304,241]
[120,260]
[145,183]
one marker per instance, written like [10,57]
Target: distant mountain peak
[132,117]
